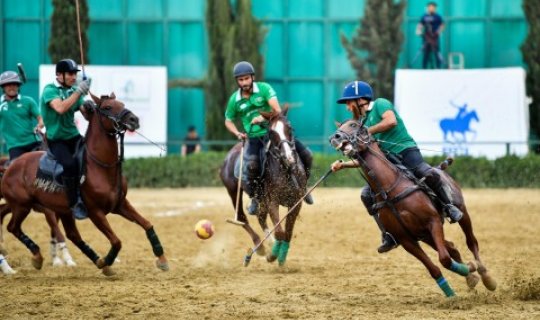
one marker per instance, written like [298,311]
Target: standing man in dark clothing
[430,28]
[191,142]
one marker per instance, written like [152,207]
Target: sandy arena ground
[333,270]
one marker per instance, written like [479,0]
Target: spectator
[430,28]
[191,142]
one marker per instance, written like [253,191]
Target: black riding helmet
[242,68]
[66,65]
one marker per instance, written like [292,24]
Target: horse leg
[414,249]
[289,227]
[100,221]
[466,225]
[472,278]
[5,267]
[273,209]
[18,215]
[4,209]
[56,237]
[127,211]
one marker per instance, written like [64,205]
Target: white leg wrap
[4,266]
[62,247]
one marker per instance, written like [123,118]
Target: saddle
[50,171]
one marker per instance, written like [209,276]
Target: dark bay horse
[103,190]
[407,212]
[284,183]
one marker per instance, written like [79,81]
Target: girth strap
[402,195]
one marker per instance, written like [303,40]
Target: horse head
[281,136]
[351,137]
[117,118]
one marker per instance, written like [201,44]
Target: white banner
[143,90]
[465,112]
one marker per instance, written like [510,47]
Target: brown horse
[284,184]
[408,213]
[103,190]
[58,249]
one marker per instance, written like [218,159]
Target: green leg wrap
[459,268]
[276,248]
[283,252]
[445,287]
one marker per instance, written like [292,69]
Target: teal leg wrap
[283,252]
[445,287]
[276,248]
[459,268]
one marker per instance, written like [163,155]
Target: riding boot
[437,185]
[388,241]
[307,159]
[74,198]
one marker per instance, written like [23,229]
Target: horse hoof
[71,263]
[488,281]
[37,262]
[271,258]
[472,280]
[100,263]
[163,266]
[261,251]
[472,266]
[108,271]
[57,262]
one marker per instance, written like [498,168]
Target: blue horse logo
[460,124]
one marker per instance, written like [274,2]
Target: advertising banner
[473,112]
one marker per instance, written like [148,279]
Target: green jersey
[18,118]
[59,126]
[247,109]
[394,140]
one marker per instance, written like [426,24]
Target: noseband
[118,125]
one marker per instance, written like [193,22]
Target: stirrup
[79,210]
[253,207]
[388,243]
[453,213]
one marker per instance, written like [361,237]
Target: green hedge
[202,170]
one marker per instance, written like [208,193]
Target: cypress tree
[531,55]
[233,35]
[64,39]
[374,49]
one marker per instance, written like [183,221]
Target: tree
[233,36]
[64,40]
[374,50]
[531,55]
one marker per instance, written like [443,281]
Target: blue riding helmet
[356,90]
[66,65]
[242,68]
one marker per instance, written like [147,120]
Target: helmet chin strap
[250,87]
[356,109]
[63,83]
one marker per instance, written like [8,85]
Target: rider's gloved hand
[84,87]
[241,136]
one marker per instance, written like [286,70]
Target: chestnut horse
[284,183]
[58,250]
[407,212]
[103,190]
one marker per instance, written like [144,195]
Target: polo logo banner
[476,112]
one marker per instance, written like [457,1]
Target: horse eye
[108,108]
[353,125]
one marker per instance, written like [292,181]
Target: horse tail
[446,163]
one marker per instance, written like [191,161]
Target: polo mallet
[251,251]
[22,74]
[238,190]
[80,37]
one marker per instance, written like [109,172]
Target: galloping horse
[460,125]
[284,184]
[103,190]
[407,212]
[58,249]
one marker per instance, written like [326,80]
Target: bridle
[275,149]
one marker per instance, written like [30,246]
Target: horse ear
[285,109]
[338,124]
[96,99]
[112,96]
